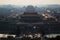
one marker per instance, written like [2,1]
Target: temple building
[30,21]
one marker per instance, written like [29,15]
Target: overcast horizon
[29,2]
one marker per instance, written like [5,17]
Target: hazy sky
[29,2]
